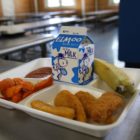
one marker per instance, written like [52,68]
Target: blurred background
[28,27]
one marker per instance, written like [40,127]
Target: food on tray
[87,108]
[114,77]
[60,111]
[6,83]
[14,90]
[40,73]
[67,99]
[87,101]
[17,89]
[103,109]
[44,83]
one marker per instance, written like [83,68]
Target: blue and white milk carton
[73,56]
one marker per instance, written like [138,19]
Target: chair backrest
[129,31]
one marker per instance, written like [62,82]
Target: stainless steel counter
[15,125]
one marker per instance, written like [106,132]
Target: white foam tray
[22,70]
[96,87]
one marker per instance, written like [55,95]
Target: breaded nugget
[107,105]
[67,99]
[60,111]
[102,109]
[87,101]
[113,100]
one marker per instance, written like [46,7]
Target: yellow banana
[118,80]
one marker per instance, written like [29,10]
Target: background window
[59,3]
[53,3]
[114,2]
[68,3]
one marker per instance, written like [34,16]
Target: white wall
[8,8]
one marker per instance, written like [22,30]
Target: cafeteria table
[12,44]
[34,16]
[6,20]
[15,124]
[99,13]
[48,14]
[23,27]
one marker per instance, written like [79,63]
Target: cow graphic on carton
[73,56]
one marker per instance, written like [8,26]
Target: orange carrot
[6,83]
[44,83]
[24,95]
[18,81]
[10,92]
[17,89]
[28,86]
[16,98]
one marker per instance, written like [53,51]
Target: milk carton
[73,56]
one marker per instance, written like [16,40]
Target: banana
[118,80]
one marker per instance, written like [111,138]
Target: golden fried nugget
[87,101]
[67,99]
[113,100]
[60,111]
[102,109]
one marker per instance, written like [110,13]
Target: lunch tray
[96,88]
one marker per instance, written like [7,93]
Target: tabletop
[101,12]
[2,19]
[32,16]
[64,12]
[10,44]
[41,14]
[15,124]
[22,27]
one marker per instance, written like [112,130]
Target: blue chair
[129,32]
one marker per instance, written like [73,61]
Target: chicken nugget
[106,106]
[67,99]
[60,111]
[102,109]
[87,101]
[113,100]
